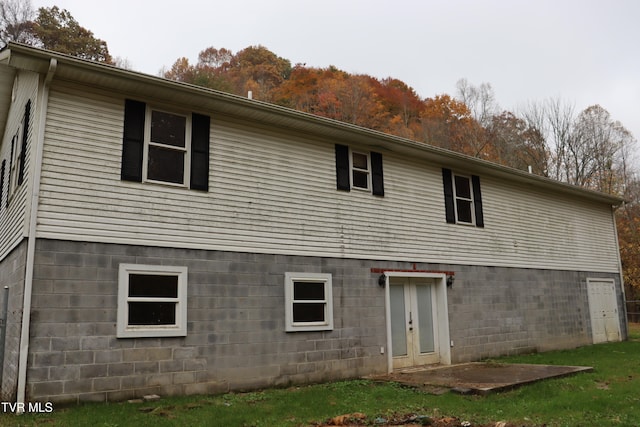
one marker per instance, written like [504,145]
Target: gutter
[31,242]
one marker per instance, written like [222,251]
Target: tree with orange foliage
[300,90]
[401,107]
[258,70]
[334,94]
[628,226]
[447,123]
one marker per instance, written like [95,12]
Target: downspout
[31,242]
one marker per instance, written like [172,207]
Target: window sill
[324,328]
[145,332]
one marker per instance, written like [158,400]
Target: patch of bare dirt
[405,420]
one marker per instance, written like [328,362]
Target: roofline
[34,59]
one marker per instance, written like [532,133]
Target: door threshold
[416,368]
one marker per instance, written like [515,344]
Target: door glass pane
[425,319]
[398,324]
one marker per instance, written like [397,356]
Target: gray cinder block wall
[236,325]
[505,311]
[12,271]
[236,335]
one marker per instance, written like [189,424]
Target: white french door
[414,316]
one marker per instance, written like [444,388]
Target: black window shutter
[200,152]
[133,141]
[14,141]
[25,138]
[2,170]
[377,178]
[477,200]
[343,180]
[449,203]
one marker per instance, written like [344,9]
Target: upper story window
[463,198]
[14,166]
[165,146]
[359,170]
[14,163]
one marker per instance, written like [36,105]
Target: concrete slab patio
[479,378]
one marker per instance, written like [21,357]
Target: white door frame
[442,313]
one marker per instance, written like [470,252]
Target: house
[158,237]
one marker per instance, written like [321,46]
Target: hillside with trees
[587,148]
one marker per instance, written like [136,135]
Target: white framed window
[167,147]
[463,194]
[14,161]
[152,301]
[309,302]
[360,170]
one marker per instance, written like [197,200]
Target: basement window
[309,305]
[152,301]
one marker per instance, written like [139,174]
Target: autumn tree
[517,144]
[481,102]
[212,67]
[258,70]
[181,71]
[55,29]
[300,90]
[400,105]
[359,102]
[447,123]
[16,21]
[628,226]
[211,70]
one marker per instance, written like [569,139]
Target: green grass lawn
[608,396]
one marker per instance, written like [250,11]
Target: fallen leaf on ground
[341,420]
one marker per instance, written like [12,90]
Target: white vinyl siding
[13,215]
[275,192]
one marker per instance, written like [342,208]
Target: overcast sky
[584,52]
